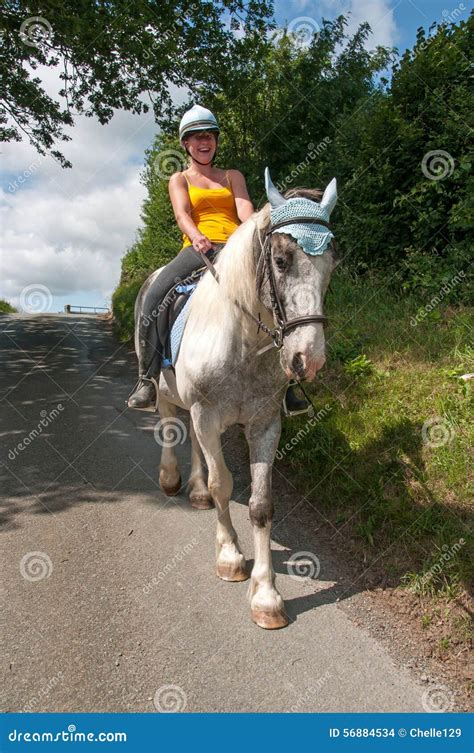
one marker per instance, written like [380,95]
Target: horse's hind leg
[172,431]
[230,562]
[199,494]
[266,604]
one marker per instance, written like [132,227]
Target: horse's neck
[230,300]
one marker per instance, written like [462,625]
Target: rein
[284,325]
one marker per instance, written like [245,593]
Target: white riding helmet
[197,119]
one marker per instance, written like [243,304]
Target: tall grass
[388,462]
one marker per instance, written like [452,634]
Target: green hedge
[7,308]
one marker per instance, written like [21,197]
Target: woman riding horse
[208,204]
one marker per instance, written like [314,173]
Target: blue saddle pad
[177,329]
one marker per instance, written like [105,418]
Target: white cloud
[379,14]
[67,229]
[69,243]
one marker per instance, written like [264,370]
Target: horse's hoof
[234,573]
[201,501]
[171,491]
[269,620]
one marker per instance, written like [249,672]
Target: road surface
[111,602]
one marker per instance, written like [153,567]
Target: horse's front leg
[266,604]
[230,562]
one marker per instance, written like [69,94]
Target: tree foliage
[112,55]
[404,160]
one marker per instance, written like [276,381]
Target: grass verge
[387,459]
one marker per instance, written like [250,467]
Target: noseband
[284,325]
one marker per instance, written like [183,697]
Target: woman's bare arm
[178,191]
[243,201]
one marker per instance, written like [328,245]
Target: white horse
[222,379]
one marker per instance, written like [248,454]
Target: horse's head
[299,258]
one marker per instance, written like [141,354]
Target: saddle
[175,314]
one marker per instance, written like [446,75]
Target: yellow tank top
[213,211]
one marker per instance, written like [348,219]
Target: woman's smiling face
[201,145]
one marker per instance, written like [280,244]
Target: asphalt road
[110,594]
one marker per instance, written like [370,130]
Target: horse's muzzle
[305,367]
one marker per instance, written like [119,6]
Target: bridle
[283,324]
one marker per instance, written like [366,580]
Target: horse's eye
[280,262]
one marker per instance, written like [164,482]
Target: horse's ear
[273,195]
[330,196]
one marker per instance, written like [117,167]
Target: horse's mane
[237,266]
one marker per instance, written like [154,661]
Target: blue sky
[407,15]
[67,230]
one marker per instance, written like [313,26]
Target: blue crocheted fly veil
[313,238]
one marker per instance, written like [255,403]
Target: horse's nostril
[298,364]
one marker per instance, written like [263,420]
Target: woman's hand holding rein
[201,242]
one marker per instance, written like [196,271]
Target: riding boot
[143,395]
[293,405]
